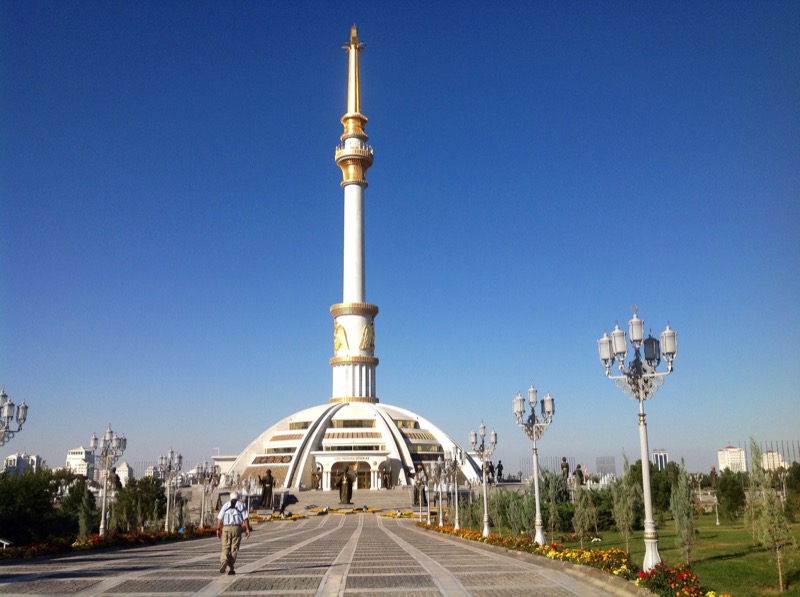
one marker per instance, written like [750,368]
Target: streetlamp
[640,380]
[453,464]
[440,474]
[7,412]
[169,466]
[534,427]
[484,452]
[111,448]
[208,475]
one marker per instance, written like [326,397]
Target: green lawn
[723,557]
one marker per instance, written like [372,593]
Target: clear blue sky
[172,218]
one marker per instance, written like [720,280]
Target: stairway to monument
[397,498]
[297,501]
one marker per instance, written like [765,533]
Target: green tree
[27,511]
[792,483]
[552,492]
[626,495]
[585,516]
[730,494]
[88,516]
[139,505]
[682,507]
[773,528]
[79,508]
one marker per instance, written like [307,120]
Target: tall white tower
[354,361]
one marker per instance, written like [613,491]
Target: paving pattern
[321,556]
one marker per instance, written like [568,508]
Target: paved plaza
[357,554]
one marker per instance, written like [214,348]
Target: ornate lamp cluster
[208,477]
[7,414]
[534,427]
[438,477]
[110,449]
[484,452]
[640,380]
[169,466]
[452,465]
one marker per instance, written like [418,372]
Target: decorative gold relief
[339,337]
[368,337]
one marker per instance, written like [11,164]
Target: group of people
[494,474]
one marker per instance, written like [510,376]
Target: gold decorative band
[366,154]
[354,309]
[356,360]
[354,171]
[367,399]
[651,536]
[354,123]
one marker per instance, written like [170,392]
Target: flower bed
[362,510]
[679,580]
[62,545]
[661,580]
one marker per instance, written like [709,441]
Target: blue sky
[172,217]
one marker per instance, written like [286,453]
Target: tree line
[44,504]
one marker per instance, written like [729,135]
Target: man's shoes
[231,571]
[223,568]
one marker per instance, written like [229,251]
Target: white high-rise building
[660,458]
[81,462]
[17,464]
[771,460]
[732,458]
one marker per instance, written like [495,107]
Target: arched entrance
[363,475]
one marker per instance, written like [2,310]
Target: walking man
[232,516]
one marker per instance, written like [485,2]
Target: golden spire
[354,156]
[353,82]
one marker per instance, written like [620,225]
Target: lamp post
[111,448]
[7,413]
[440,473]
[453,464]
[422,486]
[169,466]
[428,482]
[640,380]
[534,427]
[484,452]
[209,479]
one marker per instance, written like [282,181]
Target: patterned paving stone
[373,581]
[345,556]
[47,587]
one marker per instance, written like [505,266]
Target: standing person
[232,516]
[266,489]
[499,470]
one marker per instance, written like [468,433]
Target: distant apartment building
[81,462]
[660,458]
[733,459]
[772,461]
[124,472]
[17,464]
